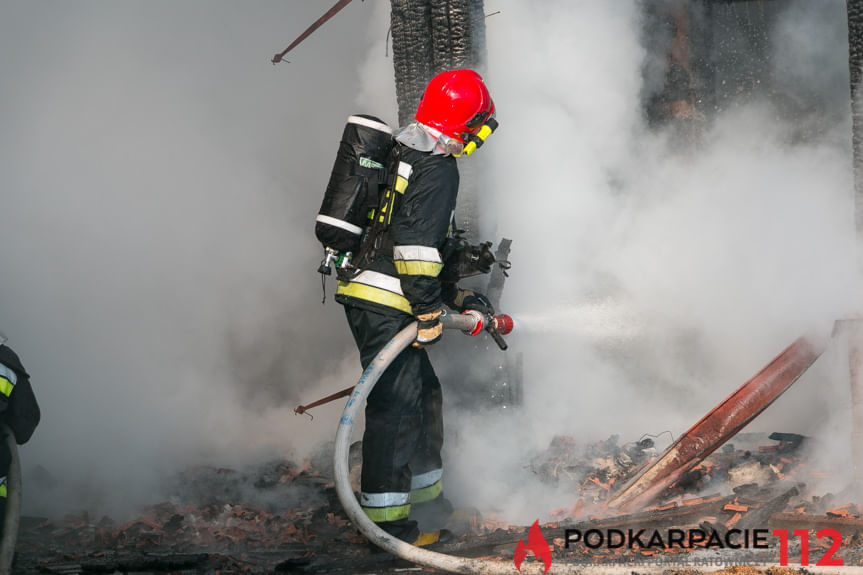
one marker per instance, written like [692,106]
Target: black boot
[407,531]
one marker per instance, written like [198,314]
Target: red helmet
[457,103]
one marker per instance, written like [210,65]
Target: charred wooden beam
[430,36]
[855,66]
[760,517]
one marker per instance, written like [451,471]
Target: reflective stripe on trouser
[404,427]
[3,486]
[378,288]
[382,507]
[394,506]
[426,486]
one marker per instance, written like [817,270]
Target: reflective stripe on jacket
[403,274]
[18,410]
[8,379]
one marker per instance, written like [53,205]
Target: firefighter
[18,411]
[398,282]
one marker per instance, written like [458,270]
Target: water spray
[604,319]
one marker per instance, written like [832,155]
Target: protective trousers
[404,427]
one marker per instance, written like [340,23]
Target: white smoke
[654,279]
[159,183]
[159,178]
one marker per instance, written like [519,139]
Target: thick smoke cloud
[652,280]
[160,177]
[159,184]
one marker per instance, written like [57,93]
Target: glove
[467,299]
[429,329]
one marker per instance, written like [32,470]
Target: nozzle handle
[495,335]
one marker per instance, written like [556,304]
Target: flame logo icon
[536,543]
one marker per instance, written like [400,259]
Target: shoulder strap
[382,214]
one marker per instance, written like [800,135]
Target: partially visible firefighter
[402,265]
[19,411]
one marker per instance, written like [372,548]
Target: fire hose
[471,322]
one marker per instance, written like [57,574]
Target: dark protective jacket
[402,274]
[18,410]
[18,407]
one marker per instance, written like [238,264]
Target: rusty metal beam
[719,425]
[307,32]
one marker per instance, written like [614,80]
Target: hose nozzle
[497,326]
[503,323]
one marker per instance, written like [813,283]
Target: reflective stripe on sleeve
[337,223]
[8,374]
[402,177]
[369,123]
[413,268]
[417,261]
[423,253]
[8,379]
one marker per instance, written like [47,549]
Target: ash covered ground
[284,516]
